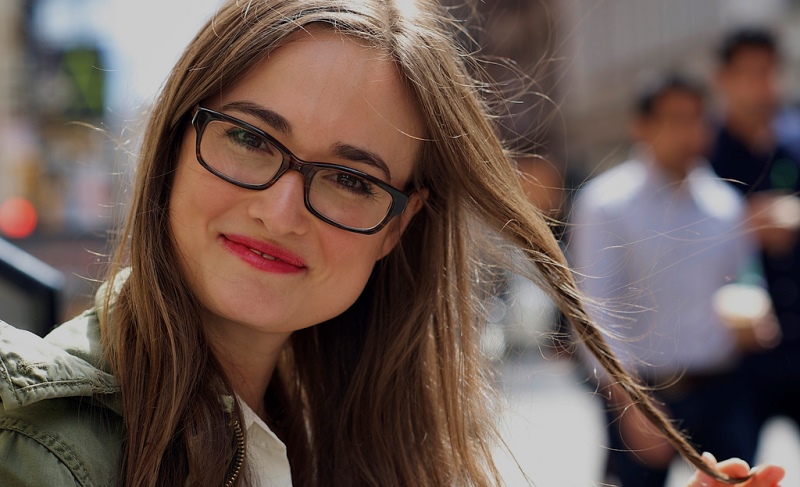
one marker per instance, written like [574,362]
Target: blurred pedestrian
[531,321]
[272,321]
[654,240]
[749,153]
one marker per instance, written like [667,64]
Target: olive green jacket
[60,421]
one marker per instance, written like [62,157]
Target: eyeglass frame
[202,117]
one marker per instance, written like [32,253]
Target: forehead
[675,99]
[747,56]
[334,88]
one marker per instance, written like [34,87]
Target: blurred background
[76,78]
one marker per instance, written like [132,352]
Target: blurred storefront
[55,155]
[76,76]
[57,159]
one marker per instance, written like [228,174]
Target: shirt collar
[266,453]
[659,181]
[253,423]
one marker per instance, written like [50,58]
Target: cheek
[198,196]
[185,225]
[349,260]
[186,209]
[191,213]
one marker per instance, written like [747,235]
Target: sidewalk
[555,428]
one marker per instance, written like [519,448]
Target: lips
[266,256]
[263,256]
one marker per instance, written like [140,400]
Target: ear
[720,78]
[636,128]
[397,227]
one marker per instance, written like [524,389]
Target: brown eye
[351,183]
[248,140]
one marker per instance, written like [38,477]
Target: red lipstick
[262,255]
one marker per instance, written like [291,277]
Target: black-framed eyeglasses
[250,158]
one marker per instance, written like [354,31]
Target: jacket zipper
[238,461]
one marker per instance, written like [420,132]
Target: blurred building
[610,45]
[57,162]
[55,95]
[11,65]
[76,76]
[9,53]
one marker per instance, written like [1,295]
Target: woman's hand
[761,476]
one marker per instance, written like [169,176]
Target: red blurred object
[17,218]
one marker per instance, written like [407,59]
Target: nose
[281,207]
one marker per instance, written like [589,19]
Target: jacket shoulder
[59,442]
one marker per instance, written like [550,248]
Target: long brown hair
[394,390]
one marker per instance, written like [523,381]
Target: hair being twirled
[393,391]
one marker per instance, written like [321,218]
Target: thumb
[702,479]
[767,476]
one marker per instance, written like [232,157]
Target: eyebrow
[281,124]
[269,117]
[355,154]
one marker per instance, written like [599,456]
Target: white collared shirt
[267,462]
[652,252]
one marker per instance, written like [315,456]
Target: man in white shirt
[652,241]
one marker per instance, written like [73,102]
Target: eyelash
[232,133]
[368,188]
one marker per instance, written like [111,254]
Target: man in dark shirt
[749,154]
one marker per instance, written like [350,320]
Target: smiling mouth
[272,257]
[268,257]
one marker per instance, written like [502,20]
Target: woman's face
[321,92]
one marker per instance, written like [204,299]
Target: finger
[766,476]
[734,467]
[710,459]
[702,479]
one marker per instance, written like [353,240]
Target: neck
[754,131]
[674,170]
[248,357]
[673,174]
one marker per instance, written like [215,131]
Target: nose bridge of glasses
[307,169]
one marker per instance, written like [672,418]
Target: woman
[259,299]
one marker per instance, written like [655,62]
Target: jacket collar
[67,363]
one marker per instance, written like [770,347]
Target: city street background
[100,63]
[555,427]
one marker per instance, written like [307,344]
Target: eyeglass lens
[341,196]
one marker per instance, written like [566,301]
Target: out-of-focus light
[407,7]
[17,218]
